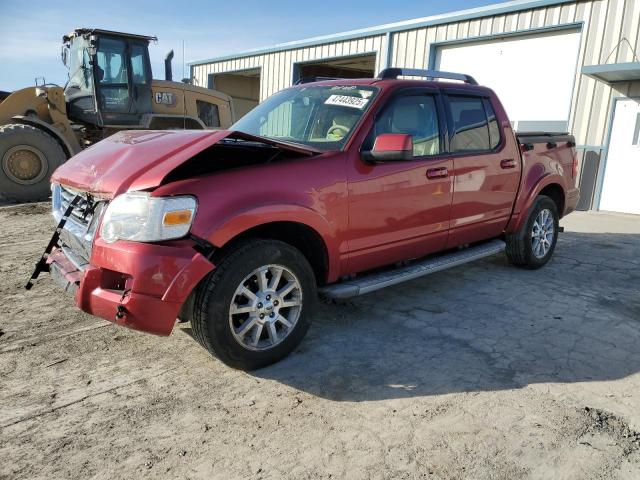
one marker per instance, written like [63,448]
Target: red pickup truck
[340,187]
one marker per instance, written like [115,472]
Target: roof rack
[302,80]
[393,73]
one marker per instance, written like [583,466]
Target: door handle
[508,163]
[440,172]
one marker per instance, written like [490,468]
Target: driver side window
[415,115]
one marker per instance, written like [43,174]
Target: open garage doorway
[354,66]
[534,86]
[243,86]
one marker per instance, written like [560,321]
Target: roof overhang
[614,72]
[97,31]
[389,28]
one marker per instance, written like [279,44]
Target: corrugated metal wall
[591,99]
[605,23]
[277,68]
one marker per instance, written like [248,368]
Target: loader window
[112,75]
[138,62]
[208,113]
[80,79]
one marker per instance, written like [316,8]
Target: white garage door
[532,74]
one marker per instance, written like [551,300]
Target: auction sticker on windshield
[347,101]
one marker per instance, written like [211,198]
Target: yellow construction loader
[110,88]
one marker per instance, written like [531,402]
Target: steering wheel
[337,131]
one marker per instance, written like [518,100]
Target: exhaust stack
[168,75]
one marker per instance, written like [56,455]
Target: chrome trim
[78,262]
[80,228]
[376,281]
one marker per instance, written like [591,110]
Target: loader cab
[109,77]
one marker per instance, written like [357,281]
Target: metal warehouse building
[556,64]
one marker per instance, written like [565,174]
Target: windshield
[322,117]
[80,77]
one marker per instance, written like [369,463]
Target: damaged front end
[135,274]
[134,284]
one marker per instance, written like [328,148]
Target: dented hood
[140,160]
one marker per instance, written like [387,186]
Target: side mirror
[64,55]
[391,147]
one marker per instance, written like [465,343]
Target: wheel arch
[549,185]
[31,121]
[299,235]
[556,193]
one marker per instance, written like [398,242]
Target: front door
[620,192]
[123,80]
[400,210]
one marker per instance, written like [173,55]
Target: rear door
[400,210]
[486,170]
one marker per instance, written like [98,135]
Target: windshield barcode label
[347,101]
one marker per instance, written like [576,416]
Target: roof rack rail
[302,80]
[393,73]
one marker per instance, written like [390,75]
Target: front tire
[28,157]
[254,308]
[533,245]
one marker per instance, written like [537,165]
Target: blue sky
[31,31]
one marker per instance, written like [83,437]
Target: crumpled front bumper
[138,285]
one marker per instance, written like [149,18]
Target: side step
[376,281]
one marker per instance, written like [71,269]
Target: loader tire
[28,157]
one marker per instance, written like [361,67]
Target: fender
[523,206]
[70,150]
[220,234]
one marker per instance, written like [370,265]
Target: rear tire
[28,157]
[243,313]
[533,245]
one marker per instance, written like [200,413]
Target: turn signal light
[178,217]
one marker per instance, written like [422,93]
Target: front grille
[83,212]
[76,238]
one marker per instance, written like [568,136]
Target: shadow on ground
[486,326]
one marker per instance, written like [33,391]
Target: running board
[376,281]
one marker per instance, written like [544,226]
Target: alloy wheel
[265,307]
[542,233]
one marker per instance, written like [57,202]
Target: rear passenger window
[494,131]
[470,129]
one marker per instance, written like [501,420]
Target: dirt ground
[483,371]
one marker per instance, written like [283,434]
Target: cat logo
[166,98]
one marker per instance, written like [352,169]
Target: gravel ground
[483,371]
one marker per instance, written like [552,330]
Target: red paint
[393,142]
[368,215]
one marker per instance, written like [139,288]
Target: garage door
[532,74]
